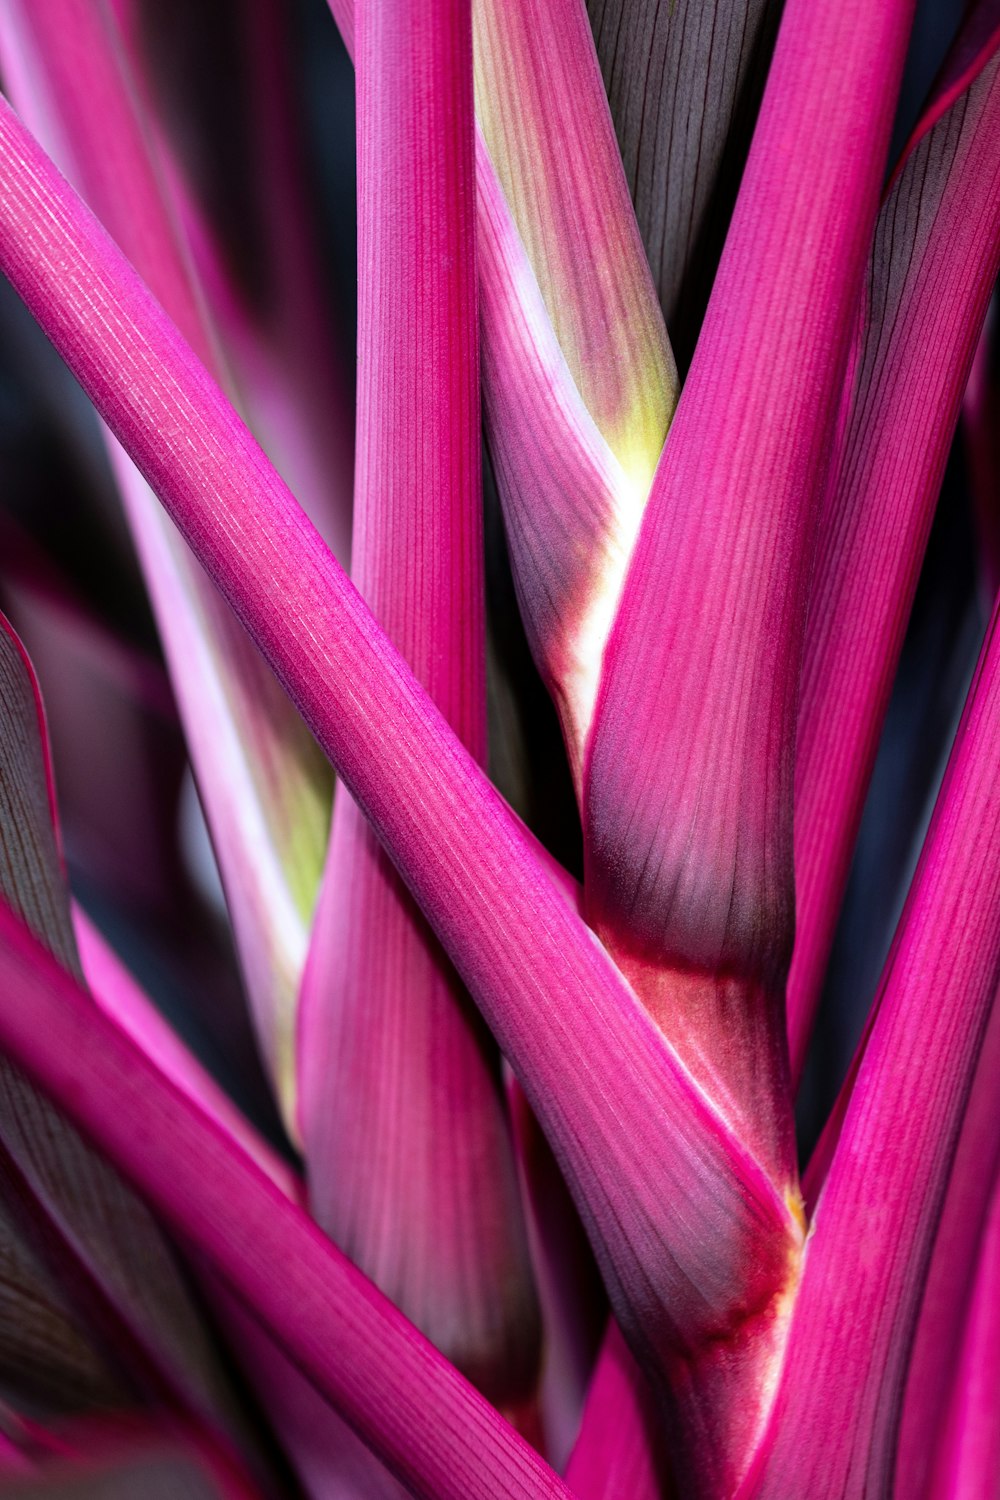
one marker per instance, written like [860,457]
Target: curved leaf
[688,780]
[836,1416]
[570,509]
[579,378]
[932,267]
[601,1078]
[413,1409]
[944,1312]
[968,1456]
[545,121]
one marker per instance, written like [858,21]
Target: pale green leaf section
[541,105]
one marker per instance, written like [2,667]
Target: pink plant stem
[579,381]
[836,1417]
[688,780]
[934,262]
[412,1408]
[633,1136]
[620,1450]
[329,1459]
[958,1244]
[688,776]
[410,1164]
[313,1436]
[968,1456]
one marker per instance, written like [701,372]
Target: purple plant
[536,1224]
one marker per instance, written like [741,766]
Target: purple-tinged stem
[579,380]
[314,1438]
[688,786]
[688,780]
[413,1409]
[408,1149]
[319,1445]
[620,1449]
[944,1311]
[329,1459]
[836,1417]
[931,270]
[968,1455]
[693,1239]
